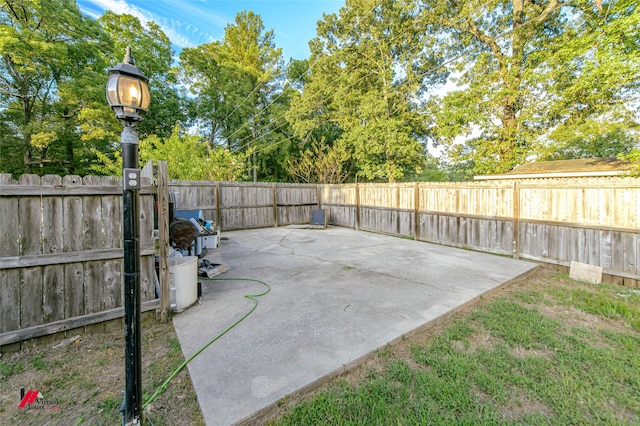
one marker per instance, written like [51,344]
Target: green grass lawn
[547,351]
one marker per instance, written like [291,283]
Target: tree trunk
[255,168]
[512,82]
[28,148]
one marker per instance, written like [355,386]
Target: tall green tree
[236,85]
[50,61]
[534,74]
[314,157]
[369,66]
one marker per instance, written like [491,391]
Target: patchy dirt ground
[81,380]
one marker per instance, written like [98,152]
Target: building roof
[584,167]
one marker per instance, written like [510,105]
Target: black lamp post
[128,96]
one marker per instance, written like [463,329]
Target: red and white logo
[29,397]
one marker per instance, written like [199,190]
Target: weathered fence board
[93,294]
[10,293]
[52,293]
[386,208]
[340,204]
[615,251]
[30,216]
[341,215]
[52,214]
[113,292]
[196,195]
[613,202]
[61,254]
[92,217]
[474,199]
[112,208]
[246,207]
[147,282]
[30,297]
[73,290]
[295,202]
[389,221]
[477,233]
[72,217]
[9,245]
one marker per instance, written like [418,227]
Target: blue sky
[190,23]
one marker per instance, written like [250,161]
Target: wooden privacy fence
[61,242]
[61,253]
[243,205]
[589,220]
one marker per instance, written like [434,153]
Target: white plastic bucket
[184,283]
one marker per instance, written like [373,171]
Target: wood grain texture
[61,245]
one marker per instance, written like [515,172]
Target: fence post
[274,187]
[163,237]
[218,212]
[516,220]
[416,211]
[357,207]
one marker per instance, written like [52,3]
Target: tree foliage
[545,79]
[49,71]
[368,68]
[534,74]
[189,158]
[235,84]
[153,56]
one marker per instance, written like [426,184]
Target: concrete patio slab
[336,296]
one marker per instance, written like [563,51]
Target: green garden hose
[252,297]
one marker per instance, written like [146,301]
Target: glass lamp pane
[129,91]
[112,90]
[146,97]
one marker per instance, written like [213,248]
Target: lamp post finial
[128,58]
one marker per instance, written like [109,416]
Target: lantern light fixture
[128,91]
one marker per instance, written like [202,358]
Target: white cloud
[182,34]
[120,6]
